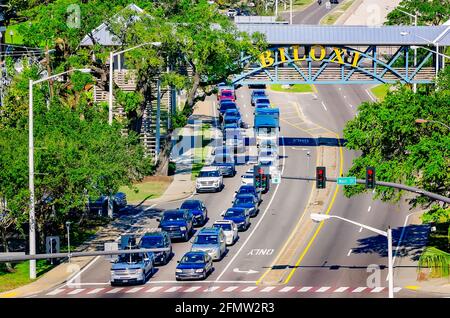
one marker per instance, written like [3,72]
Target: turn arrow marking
[251,271]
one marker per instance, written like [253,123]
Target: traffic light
[370,177]
[321,177]
[258,173]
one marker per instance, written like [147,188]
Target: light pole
[32,219]
[111,66]
[308,156]
[317,217]
[415,49]
[423,121]
[290,12]
[68,238]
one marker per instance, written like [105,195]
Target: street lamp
[318,217]
[68,238]
[32,226]
[415,49]
[111,64]
[423,121]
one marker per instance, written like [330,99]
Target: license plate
[125,280]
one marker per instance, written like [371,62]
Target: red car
[226,94]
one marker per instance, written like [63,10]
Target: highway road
[333,260]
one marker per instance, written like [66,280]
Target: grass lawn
[296,88]
[150,188]
[200,153]
[439,238]
[16,38]
[380,91]
[332,17]
[21,277]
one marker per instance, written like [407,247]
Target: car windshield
[223,159]
[227,93]
[174,216]
[234,213]
[247,190]
[206,239]
[191,205]
[130,258]
[243,200]
[193,258]
[230,120]
[209,174]
[262,101]
[224,226]
[152,241]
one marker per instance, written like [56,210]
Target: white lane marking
[322,289]
[340,88]
[351,106]
[246,115]
[303,289]
[115,290]
[267,289]
[325,107]
[370,208]
[202,282]
[377,289]
[172,289]
[315,96]
[192,289]
[133,290]
[360,229]
[397,289]
[211,289]
[370,95]
[83,284]
[153,289]
[286,289]
[349,252]
[341,290]
[229,289]
[358,290]
[55,292]
[245,105]
[249,289]
[96,290]
[76,291]
[70,281]
[345,96]
[257,224]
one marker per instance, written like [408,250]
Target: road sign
[328,5]
[346,180]
[276,177]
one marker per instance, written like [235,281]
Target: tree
[401,150]
[430,12]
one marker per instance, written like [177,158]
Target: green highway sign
[346,180]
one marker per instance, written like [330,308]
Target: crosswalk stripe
[341,289]
[229,289]
[286,289]
[133,290]
[114,290]
[249,289]
[304,289]
[153,289]
[172,289]
[96,290]
[76,291]
[358,290]
[322,289]
[55,292]
[377,289]
[192,289]
[211,289]
[267,289]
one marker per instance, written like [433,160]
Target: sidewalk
[181,187]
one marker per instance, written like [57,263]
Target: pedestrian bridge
[311,54]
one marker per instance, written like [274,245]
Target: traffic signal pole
[399,186]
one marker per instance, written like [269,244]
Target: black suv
[158,239]
[177,223]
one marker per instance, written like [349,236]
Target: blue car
[177,223]
[262,101]
[194,265]
[198,210]
[250,189]
[247,201]
[232,112]
[258,93]
[231,122]
[238,215]
[225,105]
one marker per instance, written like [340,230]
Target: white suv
[209,180]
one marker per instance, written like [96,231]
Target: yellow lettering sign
[356,57]
[338,56]
[282,54]
[296,57]
[312,53]
[266,59]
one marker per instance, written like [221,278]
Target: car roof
[175,211]
[223,222]
[210,168]
[258,91]
[194,253]
[247,186]
[244,195]
[235,208]
[155,233]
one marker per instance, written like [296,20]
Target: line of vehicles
[210,243]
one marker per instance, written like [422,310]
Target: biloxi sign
[315,53]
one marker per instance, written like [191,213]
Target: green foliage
[436,260]
[130,101]
[436,214]
[179,119]
[433,12]
[401,150]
